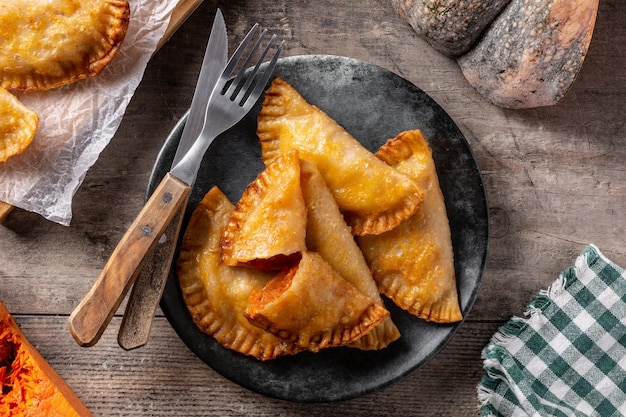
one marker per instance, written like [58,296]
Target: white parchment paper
[77,121]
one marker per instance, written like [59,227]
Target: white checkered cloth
[568,356]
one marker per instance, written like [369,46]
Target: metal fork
[231,99]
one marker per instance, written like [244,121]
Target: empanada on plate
[217,295]
[313,306]
[414,263]
[328,234]
[268,226]
[46,44]
[18,125]
[373,196]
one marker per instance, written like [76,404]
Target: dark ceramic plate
[373,104]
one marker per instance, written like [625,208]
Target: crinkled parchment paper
[77,121]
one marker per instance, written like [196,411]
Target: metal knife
[148,288]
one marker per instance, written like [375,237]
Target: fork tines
[239,88]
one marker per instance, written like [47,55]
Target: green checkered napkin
[568,356]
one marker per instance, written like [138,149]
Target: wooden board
[180,13]
[5,210]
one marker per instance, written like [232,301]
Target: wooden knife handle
[146,293]
[88,321]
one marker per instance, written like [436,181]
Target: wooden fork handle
[91,317]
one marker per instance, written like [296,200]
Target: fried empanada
[217,295]
[18,125]
[313,306]
[413,264]
[373,196]
[46,44]
[328,234]
[268,226]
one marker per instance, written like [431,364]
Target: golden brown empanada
[373,196]
[46,44]
[268,226]
[18,125]
[414,263]
[313,306]
[328,234]
[217,295]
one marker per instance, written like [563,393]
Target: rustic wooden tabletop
[555,180]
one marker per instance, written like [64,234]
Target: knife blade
[90,318]
[146,293]
[214,63]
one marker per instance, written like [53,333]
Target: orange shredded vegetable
[26,391]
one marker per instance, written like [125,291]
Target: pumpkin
[30,387]
[450,26]
[528,56]
[532,52]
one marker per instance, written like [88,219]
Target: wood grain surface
[555,179]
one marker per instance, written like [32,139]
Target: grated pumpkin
[30,387]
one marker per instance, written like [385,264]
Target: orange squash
[30,387]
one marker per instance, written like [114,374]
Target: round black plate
[374,105]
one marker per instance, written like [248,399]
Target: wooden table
[555,180]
